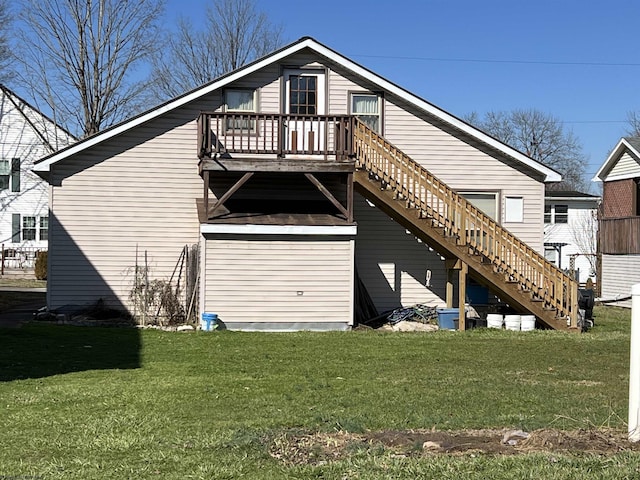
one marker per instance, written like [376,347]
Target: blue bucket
[209,321]
[447,318]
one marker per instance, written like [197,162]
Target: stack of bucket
[209,321]
[524,323]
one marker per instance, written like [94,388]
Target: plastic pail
[527,323]
[512,322]
[494,320]
[209,321]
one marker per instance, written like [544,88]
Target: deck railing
[460,219]
[221,133]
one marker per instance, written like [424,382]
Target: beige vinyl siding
[626,166]
[619,273]
[465,167]
[258,279]
[393,263]
[135,191]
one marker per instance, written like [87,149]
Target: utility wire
[516,62]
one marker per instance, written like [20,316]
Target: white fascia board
[549,174]
[613,157]
[569,199]
[248,229]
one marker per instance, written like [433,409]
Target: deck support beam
[330,197]
[228,193]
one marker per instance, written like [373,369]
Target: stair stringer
[487,274]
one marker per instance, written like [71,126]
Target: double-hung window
[556,213]
[28,228]
[241,103]
[10,174]
[43,232]
[366,107]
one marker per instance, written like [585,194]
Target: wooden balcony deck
[275,142]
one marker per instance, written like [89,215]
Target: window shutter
[15,175]
[15,228]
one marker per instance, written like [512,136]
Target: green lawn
[84,403]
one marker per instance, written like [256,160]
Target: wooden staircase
[446,221]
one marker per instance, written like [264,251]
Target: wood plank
[229,192]
[275,164]
[327,194]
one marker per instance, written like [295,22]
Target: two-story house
[25,136]
[570,232]
[296,175]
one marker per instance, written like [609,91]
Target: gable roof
[27,111]
[547,173]
[626,144]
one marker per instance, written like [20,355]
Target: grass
[22,282]
[9,300]
[121,403]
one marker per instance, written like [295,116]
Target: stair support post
[452,265]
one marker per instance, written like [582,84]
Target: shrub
[41,265]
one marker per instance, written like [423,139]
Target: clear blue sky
[578,60]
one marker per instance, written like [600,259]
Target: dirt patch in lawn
[319,448]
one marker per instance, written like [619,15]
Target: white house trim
[549,174]
[613,157]
[278,229]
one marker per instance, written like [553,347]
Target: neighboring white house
[570,231]
[25,136]
[268,171]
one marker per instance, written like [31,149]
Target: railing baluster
[459,217]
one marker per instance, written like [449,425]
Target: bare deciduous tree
[5,51]
[80,57]
[542,137]
[633,123]
[235,34]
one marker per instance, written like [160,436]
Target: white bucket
[512,322]
[527,323]
[494,320]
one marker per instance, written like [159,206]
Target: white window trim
[379,103]
[496,195]
[254,92]
[513,209]
[553,215]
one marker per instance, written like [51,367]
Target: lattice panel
[619,198]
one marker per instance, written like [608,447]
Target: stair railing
[446,209]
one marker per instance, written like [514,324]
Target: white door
[304,99]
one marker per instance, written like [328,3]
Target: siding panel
[258,279]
